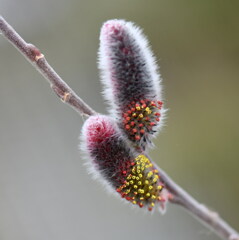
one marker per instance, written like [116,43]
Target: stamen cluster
[141,119]
[142,185]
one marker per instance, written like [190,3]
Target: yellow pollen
[141,115]
[141,185]
[155,180]
[138,107]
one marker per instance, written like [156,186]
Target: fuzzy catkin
[123,171]
[131,81]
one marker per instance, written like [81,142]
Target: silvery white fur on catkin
[147,83]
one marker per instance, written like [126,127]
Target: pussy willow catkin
[125,172]
[131,81]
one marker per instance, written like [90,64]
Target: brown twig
[37,59]
[66,94]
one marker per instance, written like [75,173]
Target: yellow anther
[138,107]
[156,171]
[147,194]
[150,187]
[155,180]
[135,186]
[131,182]
[139,183]
[149,111]
[137,178]
[140,175]
[127,184]
[152,204]
[129,177]
[150,174]
[138,171]
[134,202]
[134,114]
[159,187]
[133,177]
[146,182]
[141,115]
[153,197]
[142,198]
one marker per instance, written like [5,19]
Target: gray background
[45,191]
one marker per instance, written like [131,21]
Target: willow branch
[210,218]
[67,95]
[37,59]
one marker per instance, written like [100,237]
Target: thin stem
[179,196]
[37,59]
[208,217]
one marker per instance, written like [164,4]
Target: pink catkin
[131,80]
[123,171]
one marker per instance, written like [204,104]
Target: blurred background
[45,191]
